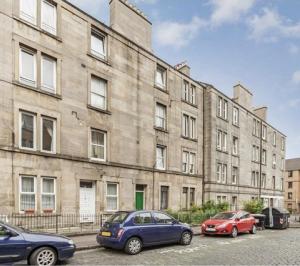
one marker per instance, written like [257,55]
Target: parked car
[229,223]
[18,244]
[131,231]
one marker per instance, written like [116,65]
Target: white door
[87,202]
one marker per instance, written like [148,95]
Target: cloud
[169,33]
[294,103]
[228,11]
[270,26]
[293,49]
[296,77]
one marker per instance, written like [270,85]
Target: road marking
[186,250]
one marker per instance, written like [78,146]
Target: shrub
[253,206]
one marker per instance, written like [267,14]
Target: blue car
[134,230]
[38,249]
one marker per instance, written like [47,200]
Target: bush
[253,206]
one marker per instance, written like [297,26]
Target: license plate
[210,229]
[106,233]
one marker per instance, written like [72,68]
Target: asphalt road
[265,248]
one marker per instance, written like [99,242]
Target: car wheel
[186,238]
[253,230]
[133,246]
[234,232]
[43,256]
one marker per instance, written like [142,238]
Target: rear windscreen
[118,217]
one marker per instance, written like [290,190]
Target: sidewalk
[85,242]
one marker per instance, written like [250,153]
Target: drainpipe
[260,160]
[203,146]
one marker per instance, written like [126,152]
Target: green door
[139,200]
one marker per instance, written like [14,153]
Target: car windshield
[118,217]
[16,228]
[224,216]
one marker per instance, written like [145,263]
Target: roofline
[244,108]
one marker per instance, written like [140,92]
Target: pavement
[267,247]
[88,241]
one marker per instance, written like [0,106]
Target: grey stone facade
[127,122]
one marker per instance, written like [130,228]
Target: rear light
[120,233]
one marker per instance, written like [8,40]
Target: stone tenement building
[292,185]
[93,121]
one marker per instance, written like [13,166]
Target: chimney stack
[261,112]
[131,22]
[184,68]
[242,96]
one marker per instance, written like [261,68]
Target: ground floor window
[27,194]
[112,197]
[48,194]
[164,197]
[221,199]
[188,197]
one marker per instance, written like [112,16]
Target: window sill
[189,103]
[35,27]
[235,155]
[236,125]
[103,60]
[187,138]
[161,129]
[255,162]
[226,152]
[222,118]
[161,89]
[98,109]
[36,89]
[97,160]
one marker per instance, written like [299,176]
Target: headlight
[71,242]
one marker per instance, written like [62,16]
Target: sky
[254,42]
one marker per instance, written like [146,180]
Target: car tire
[43,256]
[234,232]
[253,230]
[133,246]
[186,238]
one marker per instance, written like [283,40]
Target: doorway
[140,197]
[87,202]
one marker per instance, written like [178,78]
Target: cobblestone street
[264,248]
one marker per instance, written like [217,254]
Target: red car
[229,223]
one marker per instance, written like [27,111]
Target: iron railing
[58,223]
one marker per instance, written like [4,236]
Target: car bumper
[65,253]
[110,242]
[217,232]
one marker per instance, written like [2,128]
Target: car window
[245,216]
[224,216]
[2,231]
[162,218]
[143,218]
[118,217]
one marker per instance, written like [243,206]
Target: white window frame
[44,26]
[192,98]
[225,109]
[27,17]
[224,174]
[263,180]
[185,91]
[112,196]
[219,140]
[264,132]
[163,72]
[104,145]
[282,143]
[93,77]
[54,133]
[43,86]
[264,157]
[220,107]
[34,130]
[274,138]
[253,179]
[235,145]
[189,163]
[164,154]
[47,193]
[274,161]
[185,161]
[193,126]
[235,171]
[224,141]
[164,118]
[219,172]
[28,193]
[235,116]
[98,35]
[24,80]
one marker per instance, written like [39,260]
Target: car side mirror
[174,222]
[237,219]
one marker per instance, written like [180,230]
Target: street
[264,248]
